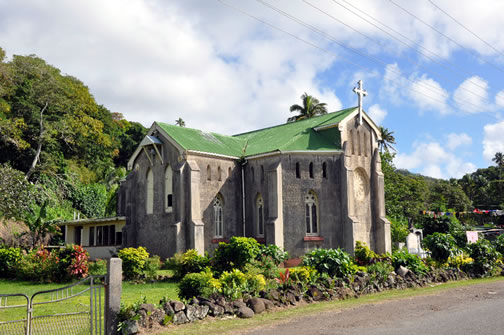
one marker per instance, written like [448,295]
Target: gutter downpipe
[243,193]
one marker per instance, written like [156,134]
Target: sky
[433,71]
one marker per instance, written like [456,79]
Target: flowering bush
[79,265]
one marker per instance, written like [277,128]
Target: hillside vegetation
[61,151]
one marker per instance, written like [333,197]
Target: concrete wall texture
[347,184]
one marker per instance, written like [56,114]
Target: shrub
[235,254]
[302,275]
[499,243]
[188,262]
[98,267]
[133,261]
[39,265]
[234,284]
[198,284]
[275,253]
[9,259]
[379,271]
[412,262]
[441,246]
[78,267]
[364,255]
[334,262]
[485,256]
[462,262]
[152,265]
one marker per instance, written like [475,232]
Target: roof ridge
[296,122]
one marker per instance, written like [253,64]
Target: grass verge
[235,324]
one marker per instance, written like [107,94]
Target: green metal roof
[194,139]
[295,136]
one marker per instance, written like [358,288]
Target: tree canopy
[311,107]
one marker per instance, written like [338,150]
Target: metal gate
[76,309]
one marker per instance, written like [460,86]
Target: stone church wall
[156,231]
[328,192]
[229,188]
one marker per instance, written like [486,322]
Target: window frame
[218,217]
[311,201]
[260,216]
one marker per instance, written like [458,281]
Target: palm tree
[311,107]
[387,139]
[179,122]
[499,159]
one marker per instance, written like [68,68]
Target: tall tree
[499,159]
[387,139]
[311,107]
[180,122]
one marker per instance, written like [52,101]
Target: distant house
[100,237]
[315,183]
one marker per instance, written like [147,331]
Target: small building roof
[92,221]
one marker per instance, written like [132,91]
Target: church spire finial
[360,93]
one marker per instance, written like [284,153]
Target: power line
[334,18]
[400,41]
[326,50]
[431,88]
[446,36]
[463,26]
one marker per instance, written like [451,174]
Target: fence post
[113,290]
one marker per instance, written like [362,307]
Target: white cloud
[424,92]
[493,140]
[429,95]
[377,113]
[431,159]
[499,99]
[472,95]
[455,140]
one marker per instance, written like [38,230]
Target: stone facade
[309,198]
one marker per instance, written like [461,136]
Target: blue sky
[441,92]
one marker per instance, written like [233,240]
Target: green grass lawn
[130,294]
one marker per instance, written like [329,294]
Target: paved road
[476,309]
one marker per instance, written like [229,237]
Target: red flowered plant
[283,278]
[80,259]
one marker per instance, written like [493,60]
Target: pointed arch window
[311,170]
[218,219]
[324,170]
[260,216]
[219,174]
[168,189]
[149,198]
[311,214]
[298,171]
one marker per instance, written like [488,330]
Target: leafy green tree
[387,139]
[40,225]
[16,194]
[311,107]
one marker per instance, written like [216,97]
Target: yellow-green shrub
[133,261]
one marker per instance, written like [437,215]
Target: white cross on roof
[360,93]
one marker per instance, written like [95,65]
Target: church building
[314,183]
